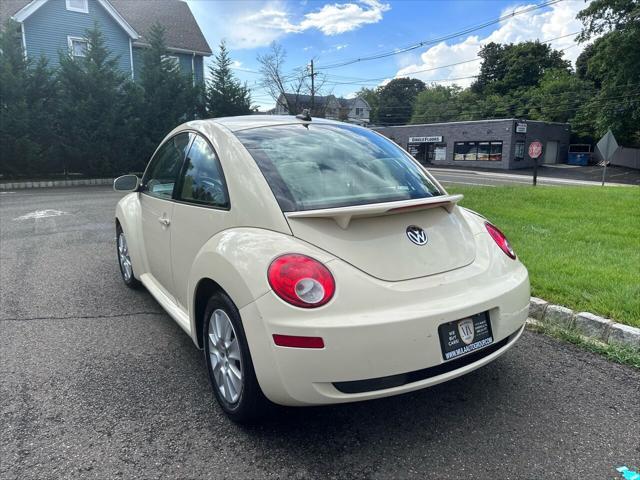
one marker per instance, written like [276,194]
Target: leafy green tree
[437,103]
[603,16]
[28,96]
[396,100]
[506,68]
[559,96]
[226,96]
[612,62]
[92,101]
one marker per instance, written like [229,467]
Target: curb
[585,323]
[55,183]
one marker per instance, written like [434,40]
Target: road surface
[97,382]
[448,176]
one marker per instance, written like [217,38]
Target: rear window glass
[327,166]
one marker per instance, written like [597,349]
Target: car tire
[226,354]
[124,260]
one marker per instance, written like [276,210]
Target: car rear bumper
[381,338]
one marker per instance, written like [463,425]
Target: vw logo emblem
[416,235]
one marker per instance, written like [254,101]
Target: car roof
[244,122]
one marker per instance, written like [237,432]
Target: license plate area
[465,335]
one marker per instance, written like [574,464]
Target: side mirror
[126,183]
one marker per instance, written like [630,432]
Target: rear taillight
[301,280]
[500,239]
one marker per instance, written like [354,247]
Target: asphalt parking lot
[97,382]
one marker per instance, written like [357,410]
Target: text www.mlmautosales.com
[469,348]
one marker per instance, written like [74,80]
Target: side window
[163,171]
[202,181]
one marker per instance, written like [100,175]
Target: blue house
[52,26]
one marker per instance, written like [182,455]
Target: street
[97,381]
[451,176]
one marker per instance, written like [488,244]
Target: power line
[478,58]
[437,117]
[441,39]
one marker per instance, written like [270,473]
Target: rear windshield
[325,166]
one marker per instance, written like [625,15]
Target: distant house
[352,110]
[49,27]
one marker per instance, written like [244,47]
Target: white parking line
[41,214]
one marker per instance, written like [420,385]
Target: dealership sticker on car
[464,336]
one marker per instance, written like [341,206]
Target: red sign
[535,149]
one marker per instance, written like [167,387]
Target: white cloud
[336,18]
[559,20]
[251,24]
[340,47]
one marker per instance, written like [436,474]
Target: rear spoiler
[343,215]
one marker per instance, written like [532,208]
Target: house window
[519,154]
[483,151]
[78,6]
[359,112]
[78,46]
[172,60]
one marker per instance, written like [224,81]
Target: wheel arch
[235,262]
[205,288]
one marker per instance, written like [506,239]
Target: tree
[603,16]
[226,96]
[559,96]
[493,67]
[28,95]
[296,84]
[506,68]
[396,100]
[166,96]
[437,103]
[92,100]
[612,62]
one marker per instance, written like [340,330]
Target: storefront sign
[437,139]
[521,127]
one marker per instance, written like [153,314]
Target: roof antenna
[305,115]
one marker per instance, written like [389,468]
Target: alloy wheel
[124,258]
[225,357]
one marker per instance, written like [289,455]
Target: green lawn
[580,244]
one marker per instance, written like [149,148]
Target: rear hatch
[354,193]
[376,241]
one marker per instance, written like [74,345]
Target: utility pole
[313,87]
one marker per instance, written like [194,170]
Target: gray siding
[488,130]
[199,64]
[46,31]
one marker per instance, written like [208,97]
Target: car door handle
[164,221]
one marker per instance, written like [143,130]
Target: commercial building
[501,144]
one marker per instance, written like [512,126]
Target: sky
[331,32]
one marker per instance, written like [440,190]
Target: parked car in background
[315,262]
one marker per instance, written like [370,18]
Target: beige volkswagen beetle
[315,262]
